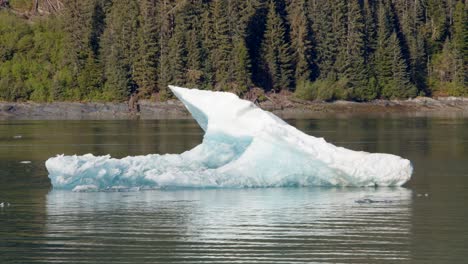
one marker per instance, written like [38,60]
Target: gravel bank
[284,107]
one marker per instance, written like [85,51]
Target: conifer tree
[120,50]
[356,70]
[166,21]
[194,51]
[460,43]
[177,52]
[326,42]
[90,78]
[239,13]
[78,27]
[301,40]
[392,70]
[221,51]
[276,54]
[241,66]
[338,36]
[146,68]
[207,44]
[399,85]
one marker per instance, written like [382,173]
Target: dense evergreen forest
[319,49]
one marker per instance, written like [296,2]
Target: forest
[106,50]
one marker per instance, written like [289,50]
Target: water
[282,225]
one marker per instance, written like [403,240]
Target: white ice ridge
[243,146]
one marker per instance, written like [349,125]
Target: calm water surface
[278,225]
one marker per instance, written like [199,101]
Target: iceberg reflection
[219,225]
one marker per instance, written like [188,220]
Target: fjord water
[424,222]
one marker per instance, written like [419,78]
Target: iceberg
[243,146]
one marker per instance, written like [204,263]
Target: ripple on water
[295,225]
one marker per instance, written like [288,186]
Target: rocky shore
[284,107]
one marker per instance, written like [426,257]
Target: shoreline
[287,108]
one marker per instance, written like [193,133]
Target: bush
[367,92]
[323,90]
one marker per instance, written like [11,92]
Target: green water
[280,225]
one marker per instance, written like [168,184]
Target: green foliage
[276,53]
[301,40]
[326,49]
[30,57]
[323,90]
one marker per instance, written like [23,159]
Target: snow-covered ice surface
[243,146]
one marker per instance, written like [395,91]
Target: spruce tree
[393,76]
[90,78]
[325,38]
[356,70]
[410,22]
[241,66]
[79,31]
[301,40]
[177,52]
[239,13]
[338,36]
[166,26]
[221,51]
[146,67]
[119,48]
[194,51]
[276,54]
[207,44]
[460,43]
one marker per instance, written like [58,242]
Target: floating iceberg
[243,146]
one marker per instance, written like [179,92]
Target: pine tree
[326,41]
[79,31]
[177,52]
[166,28]
[90,78]
[411,16]
[146,67]
[398,84]
[239,13]
[338,36]
[301,40]
[356,70]
[119,48]
[392,70]
[207,44]
[276,54]
[117,79]
[194,60]
[221,51]
[460,43]
[437,22]
[194,51]
[241,66]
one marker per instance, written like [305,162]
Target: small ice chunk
[4,204]
[17,136]
[25,162]
[85,188]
